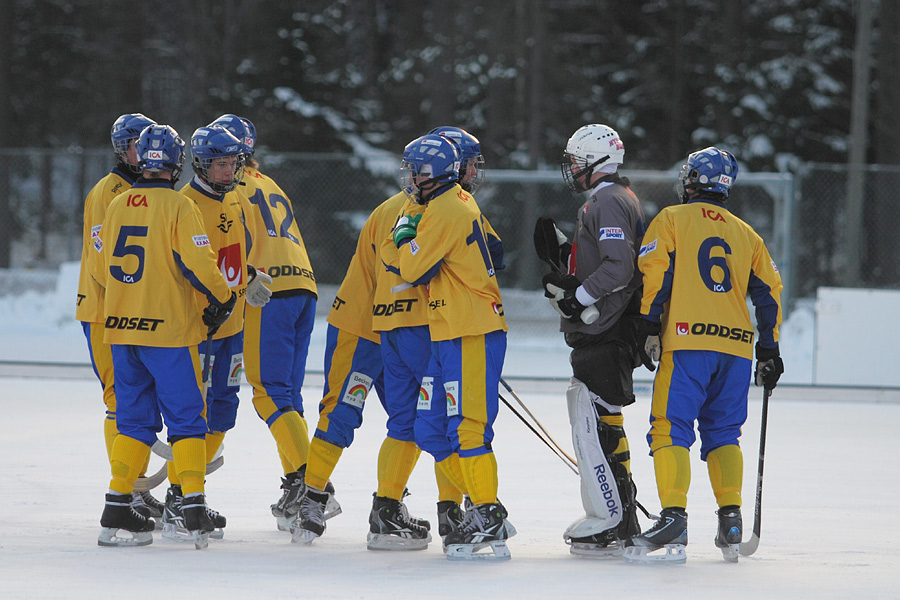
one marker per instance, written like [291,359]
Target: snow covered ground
[831,486]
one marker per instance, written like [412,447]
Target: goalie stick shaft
[538,423]
[750,546]
[562,455]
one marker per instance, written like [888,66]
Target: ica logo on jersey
[712,215]
[136,200]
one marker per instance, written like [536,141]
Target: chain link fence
[801,217]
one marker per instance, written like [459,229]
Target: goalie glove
[769,367]
[560,290]
[648,342]
[215,314]
[258,294]
[406,229]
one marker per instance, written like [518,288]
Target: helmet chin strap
[588,172]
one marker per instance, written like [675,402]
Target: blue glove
[405,229]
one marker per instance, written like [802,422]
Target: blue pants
[158,382]
[406,352]
[469,370]
[227,366]
[276,345]
[704,386]
[352,368]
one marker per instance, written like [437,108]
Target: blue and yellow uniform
[223,218]
[353,364]
[699,263]
[276,337]
[156,259]
[89,302]
[467,329]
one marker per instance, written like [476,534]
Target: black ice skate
[287,507]
[118,515]
[668,534]
[173,525]
[391,527]
[484,526]
[199,520]
[310,522]
[450,517]
[731,532]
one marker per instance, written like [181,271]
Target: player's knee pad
[607,491]
[606,370]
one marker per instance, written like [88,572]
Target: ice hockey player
[276,336]
[89,304]
[699,263]
[155,253]
[446,247]
[599,269]
[217,161]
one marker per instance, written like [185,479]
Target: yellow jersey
[463,295]
[155,259]
[223,219]
[699,263]
[89,301]
[277,246]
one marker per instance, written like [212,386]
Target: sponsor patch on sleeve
[201,240]
[611,233]
[648,248]
[98,244]
[413,246]
[774,266]
[95,231]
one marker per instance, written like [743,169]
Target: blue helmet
[708,171]
[210,143]
[432,157]
[250,140]
[239,128]
[470,154]
[161,148]
[126,128]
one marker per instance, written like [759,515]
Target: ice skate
[664,542]
[173,520]
[119,515]
[731,531]
[287,507]
[605,544]
[147,505]
[391,527]
[198,519]
[450,517]
[481,536]
[310,522]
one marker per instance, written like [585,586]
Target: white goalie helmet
[593,148]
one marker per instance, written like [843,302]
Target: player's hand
[257,293]
[769,367]
[215,314]
[560,289]
[406,229]
[648,342]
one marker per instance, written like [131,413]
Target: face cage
[405,179]
[202,169]
[120,147]
[475,183]
[574,181]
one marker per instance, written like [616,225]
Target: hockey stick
[538,423]
[562,455]
[750,546]
[207,359]
[542,242]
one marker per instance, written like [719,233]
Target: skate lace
[312,510]
[472,522]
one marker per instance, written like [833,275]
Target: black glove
[560,289]
[215,314]
[551,244]
[769,367]
[648,343]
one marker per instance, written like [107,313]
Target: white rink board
[850,319]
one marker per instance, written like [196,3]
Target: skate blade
[303,537]
[731,552]
[283,523]
[386,541]
[675,554]
[496,550]
[595,550]
[109,538]
[173,532]
[332,507]
[217,534]
[201,539]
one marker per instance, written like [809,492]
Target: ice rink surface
[829,520]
